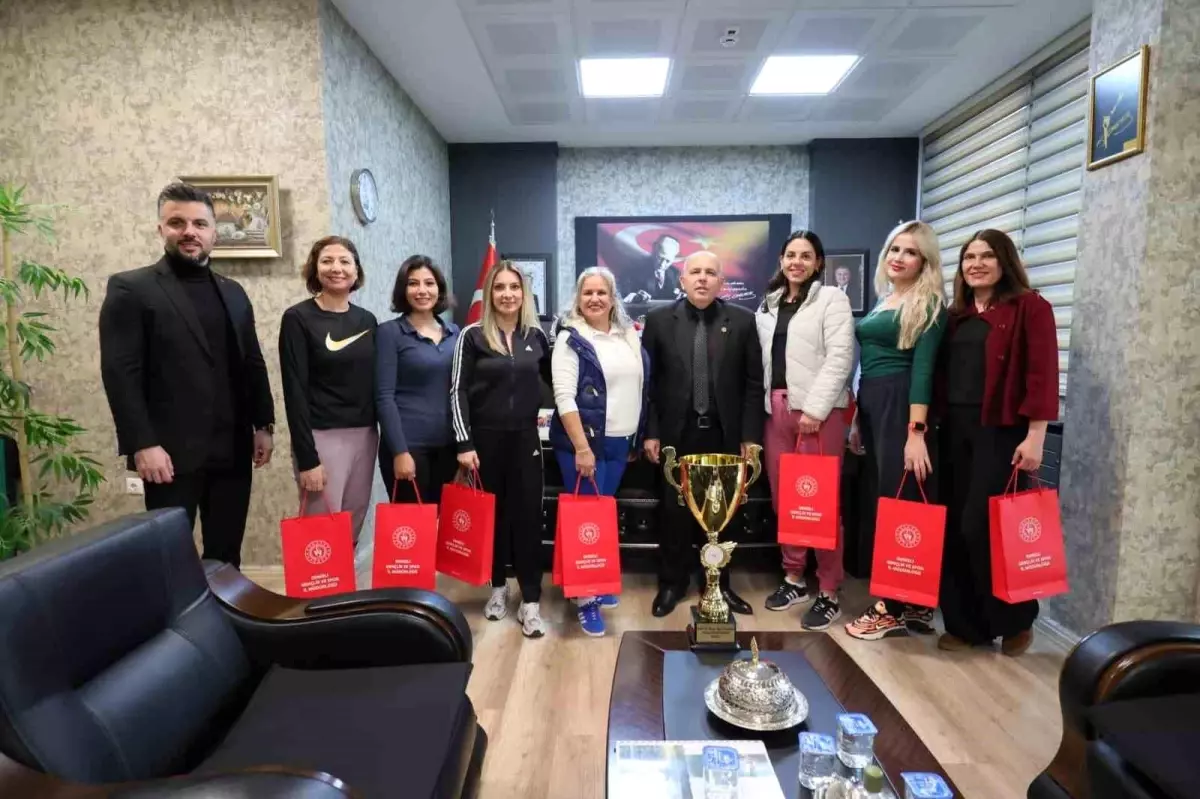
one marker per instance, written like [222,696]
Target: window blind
[1015,162]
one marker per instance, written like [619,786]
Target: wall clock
[364,196]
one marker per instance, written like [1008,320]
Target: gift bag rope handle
[416,489]
[920,486]
[304,501]
[579,477]
[820,443]
[470,478]
[1013,483]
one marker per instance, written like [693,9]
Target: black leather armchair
[1115,676]
[132,670]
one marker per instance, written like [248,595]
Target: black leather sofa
[1130,696]
[131,669]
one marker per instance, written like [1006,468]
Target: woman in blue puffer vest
[600,372]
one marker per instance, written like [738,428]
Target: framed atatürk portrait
[846,270]
[1117,109]
[247,212]
[536,269]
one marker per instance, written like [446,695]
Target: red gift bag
[808,499]
[907,561]
[466,531]
[587,559]
[405,544]
[318,554]
[1029,558]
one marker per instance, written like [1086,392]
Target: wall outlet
[133,485]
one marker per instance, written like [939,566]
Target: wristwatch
[917,427]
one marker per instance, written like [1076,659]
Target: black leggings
[883,409]
[510,464]
[435,468]
[977,465]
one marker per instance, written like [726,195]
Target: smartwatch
[917,427]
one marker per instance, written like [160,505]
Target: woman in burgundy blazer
[997,390]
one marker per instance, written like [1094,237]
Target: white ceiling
[505,70]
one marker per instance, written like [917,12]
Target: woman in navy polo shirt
[600,372]
[412,380]
[997,390]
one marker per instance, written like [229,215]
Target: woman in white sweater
[807,336]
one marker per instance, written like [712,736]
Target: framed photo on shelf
[536,268]
[1117,109]
[846,270]
[247,211]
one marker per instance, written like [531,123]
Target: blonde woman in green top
[898,344]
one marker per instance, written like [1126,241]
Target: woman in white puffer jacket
[807,336]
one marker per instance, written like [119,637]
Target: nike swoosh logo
[335,346]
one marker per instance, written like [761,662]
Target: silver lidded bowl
[756,695]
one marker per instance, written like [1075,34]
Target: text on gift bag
[466,528]
[1029,559]
[808,500]
[318,554]
[907,560]
[587,548]
[405,544]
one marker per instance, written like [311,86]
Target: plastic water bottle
[920,785]
[856,740]
[816,758]
[721,764]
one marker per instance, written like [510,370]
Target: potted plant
[58,482]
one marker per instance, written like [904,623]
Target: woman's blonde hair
[618,317]
[526,317]
[919,306]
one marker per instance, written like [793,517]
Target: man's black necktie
[700,368]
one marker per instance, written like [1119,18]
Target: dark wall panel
[518,182]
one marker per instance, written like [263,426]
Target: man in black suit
[706,395]
[185,377]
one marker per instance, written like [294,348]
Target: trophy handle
[670,464]
[754,456]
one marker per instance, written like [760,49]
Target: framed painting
[646,254]
[1117,109]
[536,268]
[846,270]
[247,211]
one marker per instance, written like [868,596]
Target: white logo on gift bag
[317,552]
[589,533]
[404,538]
[908,536]
[807,486]
[1030,530]
[461,521]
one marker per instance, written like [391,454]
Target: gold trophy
[713,487]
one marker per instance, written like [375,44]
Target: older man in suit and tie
[185,376]
[706,395]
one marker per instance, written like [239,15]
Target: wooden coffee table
[635,710]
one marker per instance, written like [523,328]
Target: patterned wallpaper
[370,122]
[1131,452]
[675,181]
[106,101]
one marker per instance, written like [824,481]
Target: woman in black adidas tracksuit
[495,393]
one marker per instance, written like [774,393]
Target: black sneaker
[824,612]
[918,619]
[788,595]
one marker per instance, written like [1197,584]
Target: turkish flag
[475,312]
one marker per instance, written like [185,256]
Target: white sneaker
[530,616]
[497,605]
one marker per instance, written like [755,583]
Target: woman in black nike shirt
[495,394]
[327,357]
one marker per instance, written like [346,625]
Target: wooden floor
[992,721]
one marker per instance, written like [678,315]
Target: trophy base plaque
[712,636]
